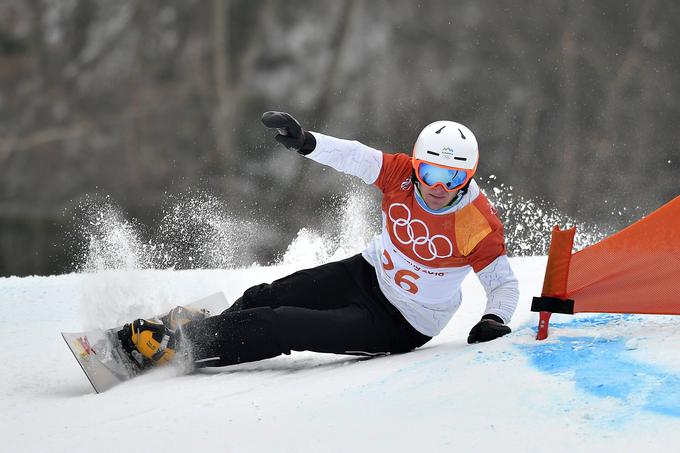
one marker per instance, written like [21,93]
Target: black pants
[336,308]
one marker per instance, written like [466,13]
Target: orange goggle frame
[417,167]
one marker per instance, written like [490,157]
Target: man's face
[436,198]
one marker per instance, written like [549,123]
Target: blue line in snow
[601,367]
[596,320]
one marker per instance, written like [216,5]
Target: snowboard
[102,358]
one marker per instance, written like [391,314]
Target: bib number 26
[404,278]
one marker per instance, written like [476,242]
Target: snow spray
[124,265]
[197,231]
[342,237]
[528,223]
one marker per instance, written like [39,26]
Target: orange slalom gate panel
[636,270]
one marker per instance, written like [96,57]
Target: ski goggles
[450,179]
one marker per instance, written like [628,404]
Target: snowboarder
[394,296]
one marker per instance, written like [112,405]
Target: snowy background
[599,383]
[573,101]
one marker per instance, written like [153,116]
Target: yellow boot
[152,340]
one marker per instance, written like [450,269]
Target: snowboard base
[94,351]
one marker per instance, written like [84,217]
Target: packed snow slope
[599,383]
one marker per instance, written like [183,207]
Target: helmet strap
[464,189]
[456,199]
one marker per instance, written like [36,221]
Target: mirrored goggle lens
[432,175]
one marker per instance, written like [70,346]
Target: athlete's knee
[410,344]
[262,295]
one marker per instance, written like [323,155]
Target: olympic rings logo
[414,231]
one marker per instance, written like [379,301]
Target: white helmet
[447,145]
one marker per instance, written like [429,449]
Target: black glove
[489,328]
[291,135]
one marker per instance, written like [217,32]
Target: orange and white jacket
[421,256]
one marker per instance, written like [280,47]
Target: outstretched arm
[347,156]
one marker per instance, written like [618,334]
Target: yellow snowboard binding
[152,342]
[148,342]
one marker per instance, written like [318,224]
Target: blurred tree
[573,102]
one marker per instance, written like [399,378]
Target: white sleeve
[502,288]
[347,156]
